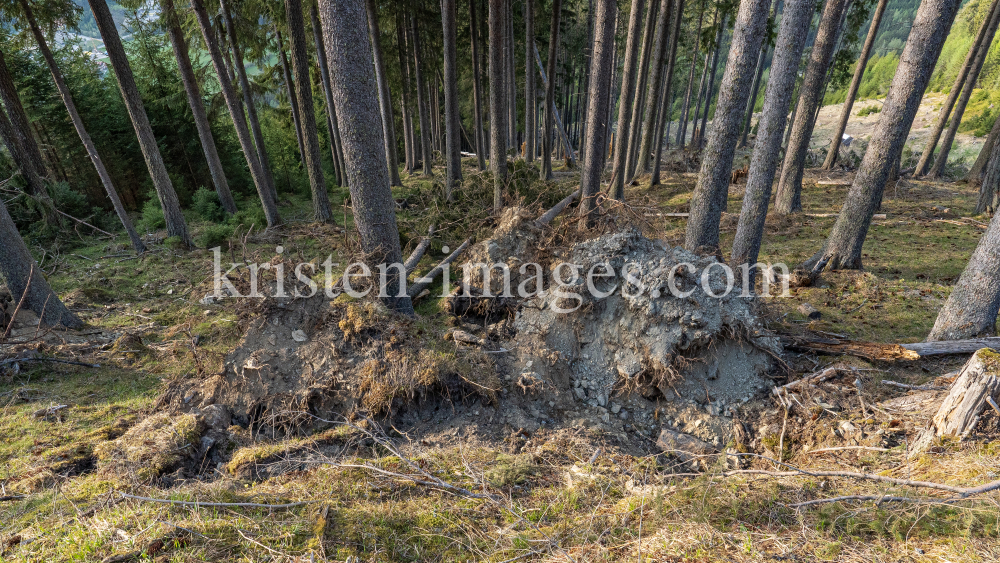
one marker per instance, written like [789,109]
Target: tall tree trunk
[638,101]
[988,194]
[293,100]
[197,104]
[588,55]
[696,44]
[916,63]
[789,198]
[712,189]
[422,102]
[666,99]
[405,105]
[754,91]
[385,96]
[310,136]
[18,267]
[956,89]
[236,113]
[251,107]
[510,80]
[550,91]
[88,144]
[477,89]
[498,103]
[176,226]
[530,91]
[598,101]
[331,111]
[791,40]
[695,142]
[13,139]
[963,99]
[355,91]
[34,162]
[453,148]
[852,91]
[976,172]
[711,80]
[625,99]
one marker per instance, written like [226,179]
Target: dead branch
[843,448]
[418,252]
[558,208]
[914,387]
[82,222]
[196,504]
[53,360]
[11,498]
[424,282]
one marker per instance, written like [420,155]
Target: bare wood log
[558,208]
[422,283]
[867,350]
[418,252]
[810,312]
[953,347]
[961,408]
[914,387]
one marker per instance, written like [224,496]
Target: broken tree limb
[909,387]
[422,283]
[867,350]
[961,408]
[418,252]
[555,110]
[952,347]
[558,208]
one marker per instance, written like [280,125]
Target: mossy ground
[557,506]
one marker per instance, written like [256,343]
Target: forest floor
[567,493]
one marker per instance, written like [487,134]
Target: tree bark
[385,96]
[598,101]
[956,89]
[695,142]
[790,42]
[498,103]
[477,89]
[251,107]
[682,122]
[355,93]
[310,136]
[18,267]
[712,188]
[530,90]
[31,164]
[453,147]
[930,28]
[754,91]
[176,226]
[422,102]
[638,106]
[789,198]
[625,99]
[976,172]
[236,113]
[588,55]
[988,193]
[963,99]
[293,100]
[13,139]
[711,80]
[550,92]
[666,99]
[509,82]
[852,91]
[331,110]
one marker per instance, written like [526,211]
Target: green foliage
[215,235]
[251,214]
[868,110]
[152,215]
[69,201]
[206,204]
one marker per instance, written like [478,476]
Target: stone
[685,447]
[615,408]
[299,336]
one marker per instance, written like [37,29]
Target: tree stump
[958,414]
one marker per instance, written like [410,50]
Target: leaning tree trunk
[695,142]
[682,122]
[236,113]
[422,102]
[34,163]
[331,111]
[789,198]
[638,100]
[293,99]
[988,193]
[88,144]
[598,102]
[176,226]
[650,121]
[666,99]
[976,172]
[625,99]
[930,28]
[310,136]
[15,145]
[977,383]
[452,122]
[251,107]
[477,89]
[754,90]
[963,99]
[197,104]
[712,188]
[385,96]
[550,91]
[355,92]
[791,41]
[530,90]
[956,89]
[498,103]
[711,79]
[25,280]
[852,91]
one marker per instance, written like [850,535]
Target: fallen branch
[558,208]
[424,282]
[218,504]
[82,222]
[418,252]
[53,360]
[11,498]
[914,387]
[953,347]
[841,448]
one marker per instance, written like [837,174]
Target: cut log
[422,283]
[978,381]
[418,252]
[810,312]
[558,208]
